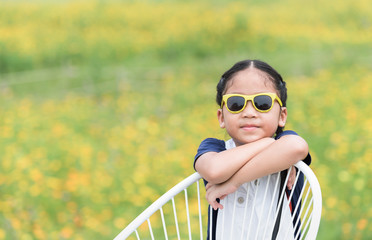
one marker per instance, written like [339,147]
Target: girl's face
[251,125]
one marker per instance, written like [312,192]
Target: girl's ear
[220,118]
[282,117]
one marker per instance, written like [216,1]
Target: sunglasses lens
[263,102]
[235,103]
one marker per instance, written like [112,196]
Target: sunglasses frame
[247,98]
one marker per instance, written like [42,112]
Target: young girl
[252,98]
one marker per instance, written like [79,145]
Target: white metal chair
[178,216]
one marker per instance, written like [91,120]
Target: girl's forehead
[250,80]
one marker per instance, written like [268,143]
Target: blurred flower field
[103,104]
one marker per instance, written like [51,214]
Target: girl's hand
[291,178]
[220,191]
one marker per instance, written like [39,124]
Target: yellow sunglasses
[262,102]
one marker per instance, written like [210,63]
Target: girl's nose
[249,110]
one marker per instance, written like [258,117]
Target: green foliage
[104,104]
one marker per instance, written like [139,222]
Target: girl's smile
[249,127]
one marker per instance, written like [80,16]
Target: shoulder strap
[283,175]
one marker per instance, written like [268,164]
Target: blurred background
[104,103]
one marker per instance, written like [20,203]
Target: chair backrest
[181,212]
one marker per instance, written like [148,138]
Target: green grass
[95,126]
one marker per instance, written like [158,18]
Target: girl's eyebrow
[251,94]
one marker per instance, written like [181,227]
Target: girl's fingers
[212,200]
[215,205]
[291,178]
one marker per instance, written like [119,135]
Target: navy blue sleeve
[209,145]
[307,160]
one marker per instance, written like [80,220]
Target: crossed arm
[227,170]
